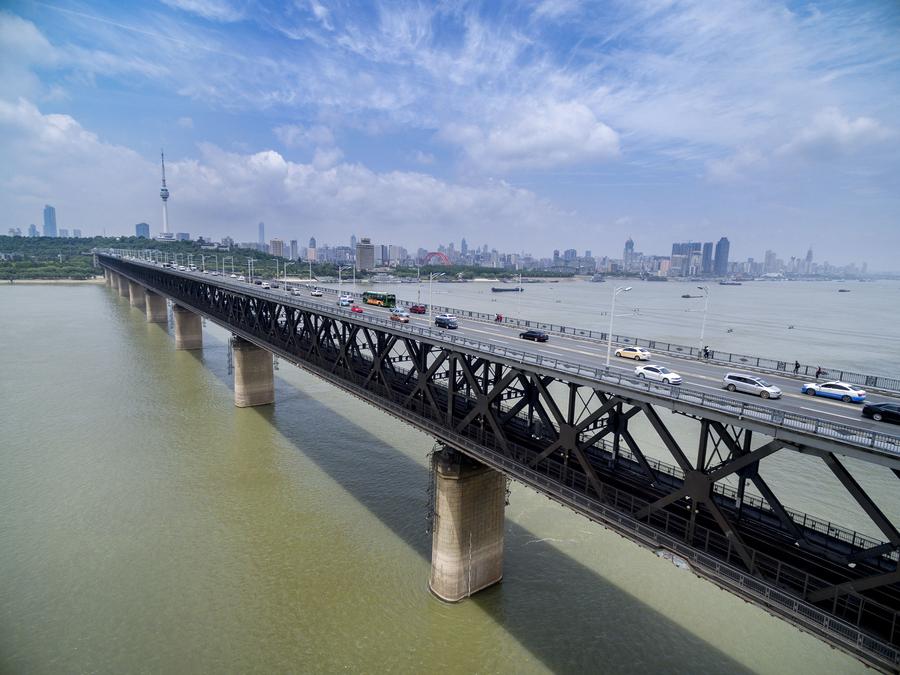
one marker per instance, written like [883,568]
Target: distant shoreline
[13,282]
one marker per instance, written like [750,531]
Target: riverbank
[95,280]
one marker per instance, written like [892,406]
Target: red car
[418,309]
[356,309]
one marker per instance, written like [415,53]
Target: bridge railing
[846,433]
[721,357]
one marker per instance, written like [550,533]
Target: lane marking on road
[825,412]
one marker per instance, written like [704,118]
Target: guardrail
[789,421]
[775,366]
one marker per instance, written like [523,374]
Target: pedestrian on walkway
[819,372]
[796,367]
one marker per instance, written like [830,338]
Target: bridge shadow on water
[582,623]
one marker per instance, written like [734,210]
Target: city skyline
[693,258]
[655,125]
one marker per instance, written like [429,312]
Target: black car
[889,412]
[536,335]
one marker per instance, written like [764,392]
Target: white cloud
[325,158]
[423,158]
[539,135]
[831,135]
[214,10]
[735,166]
[53,159]
[321,13]
[299,136]
[56,160]
[186,122]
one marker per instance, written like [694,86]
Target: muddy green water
[147,525]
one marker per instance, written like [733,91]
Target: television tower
[164,194]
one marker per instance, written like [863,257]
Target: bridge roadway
[852,580]
[698,375]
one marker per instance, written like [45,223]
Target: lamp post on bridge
[612,314]
[341,268]
[284,270]
[705,290]
[431,278]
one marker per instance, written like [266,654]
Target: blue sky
[527,126]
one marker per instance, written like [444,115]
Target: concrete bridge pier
[254,375]
[136,294]
[188,329]
[155,306]
[467,539]
[108,276]
[122,285]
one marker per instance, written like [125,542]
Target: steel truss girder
[511,407]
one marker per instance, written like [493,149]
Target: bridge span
[579,433]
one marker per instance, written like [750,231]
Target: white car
[658,373]
[241,278]
[316,293]
[234,276]
[266,284]
[636,353]
[848,393]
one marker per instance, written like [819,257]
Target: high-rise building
[365,254]
[628,253]
[706,266]
[49,221]
[311,253]
[261,240]
[142,230]
[685,258]
[32,230]
[353,241]
[182,236]
[294,249]
[770,263]
[464,247]
[385,256]
[721,259]
[63,233]
[76,234]
[276,248]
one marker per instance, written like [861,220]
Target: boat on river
[514,289]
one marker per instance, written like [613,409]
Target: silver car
[750,384]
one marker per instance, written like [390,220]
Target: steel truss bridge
[569,431]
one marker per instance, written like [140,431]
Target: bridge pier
[107,276]
[467,541]
[188,329]
[254,375]
[155,306]
[136,294]
[122,285]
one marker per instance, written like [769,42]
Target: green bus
[388,300]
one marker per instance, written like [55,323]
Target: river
[146,524]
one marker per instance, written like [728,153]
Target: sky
[527,126]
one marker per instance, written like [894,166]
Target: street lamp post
[341,268]
[284,270]
[519,298]
[612,314]
[705,290]
[431,278]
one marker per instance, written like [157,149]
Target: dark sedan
[889,412]
[536,335]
